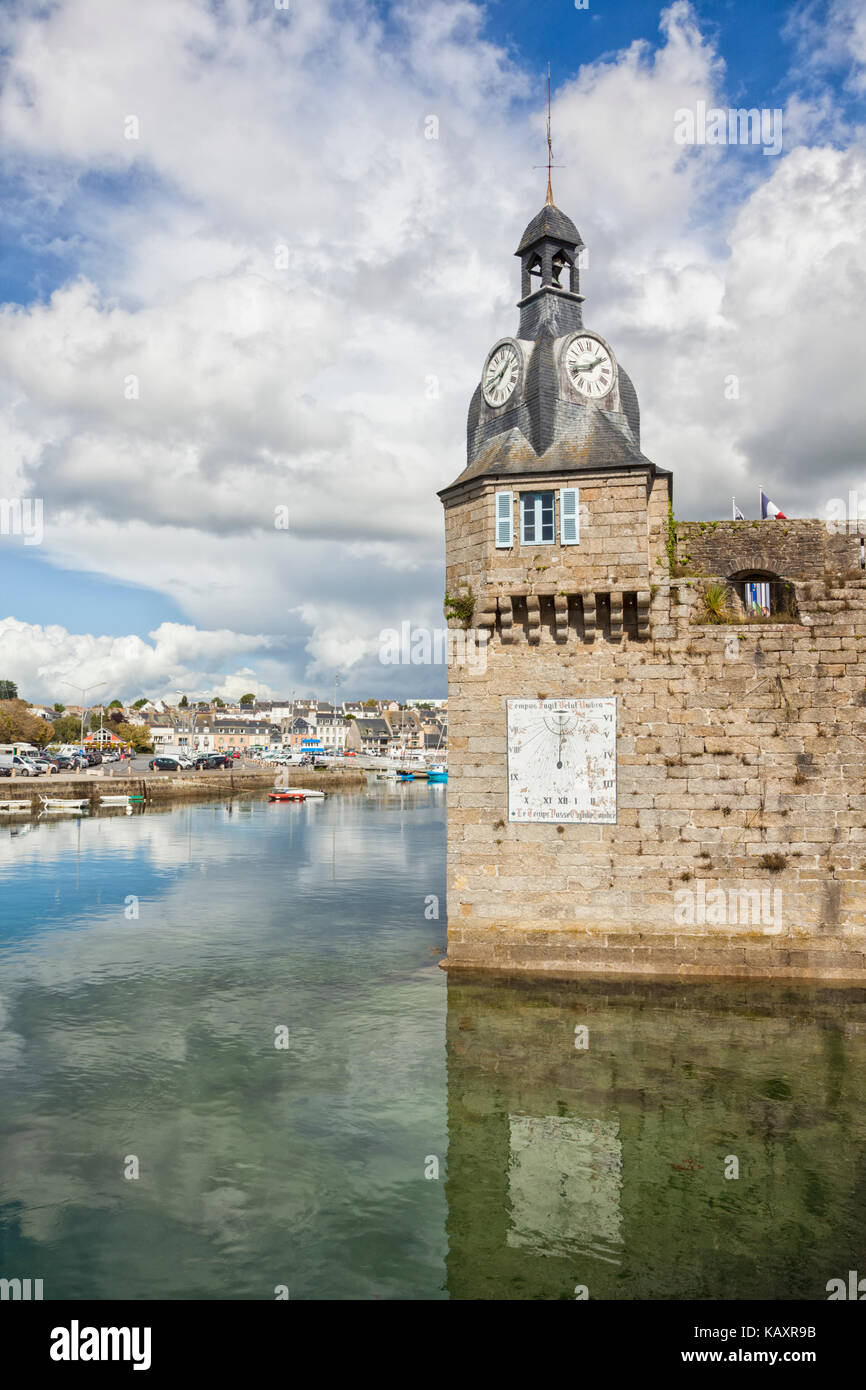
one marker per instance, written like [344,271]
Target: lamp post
[83,690]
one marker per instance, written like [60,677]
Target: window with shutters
[537,518]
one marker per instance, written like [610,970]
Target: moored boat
[14,808]
[437,772]
[120,800]
[59,803]
[286,796]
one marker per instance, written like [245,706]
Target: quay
[158,788]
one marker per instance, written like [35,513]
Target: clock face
[562,761]
[589,366]
[500,374]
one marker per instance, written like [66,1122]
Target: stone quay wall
[740,842]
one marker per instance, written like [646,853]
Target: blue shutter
[569,520]
[504,520]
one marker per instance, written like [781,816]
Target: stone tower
[616,755]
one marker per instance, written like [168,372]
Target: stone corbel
[615,617]
[506,618]
[643,612]
[533,618]
[485,611]
[588,617]
[560,617]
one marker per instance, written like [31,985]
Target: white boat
[14,808]
[119,800]
[302,791]
[59,803]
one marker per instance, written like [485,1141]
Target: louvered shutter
[569,522]
[504,520]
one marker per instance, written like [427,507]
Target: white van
[11,764]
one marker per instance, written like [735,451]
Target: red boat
[286,796]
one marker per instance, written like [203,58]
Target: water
[152,1036]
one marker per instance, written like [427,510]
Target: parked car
[46,765]
[64,763]
[164,764]
[207,761]
[93,758]
[16,766]
[236,754]
[184,760]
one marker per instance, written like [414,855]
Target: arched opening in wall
[763,596]
[560,265]
[534,270]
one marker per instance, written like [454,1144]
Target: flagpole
[733,509]
[761,500]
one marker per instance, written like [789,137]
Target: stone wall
[797,550]
[741,754]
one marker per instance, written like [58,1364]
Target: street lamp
[82,690]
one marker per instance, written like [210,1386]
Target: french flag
[769,509]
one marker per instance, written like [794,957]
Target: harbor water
[230,1068]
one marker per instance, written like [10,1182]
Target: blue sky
[281,262]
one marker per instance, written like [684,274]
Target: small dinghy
[58,803]
[120,800]
[286,796]
[14,808]
[304,791]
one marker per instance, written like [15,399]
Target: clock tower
[555,539]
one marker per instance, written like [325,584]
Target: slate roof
[550,222]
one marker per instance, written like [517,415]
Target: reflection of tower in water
[604,1167]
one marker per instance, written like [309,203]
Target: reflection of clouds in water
[163,837]
[30,1178]
[11,1043]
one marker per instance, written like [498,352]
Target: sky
[253,254]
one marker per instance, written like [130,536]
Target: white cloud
[178,657]
[333,375]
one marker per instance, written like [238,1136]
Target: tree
[116,716]
[116,704]
[136,734]
[248,699]
[138,704]
[58,709]
[17,726]
[183,703]
[67,729]
[8,690]
[218,703]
